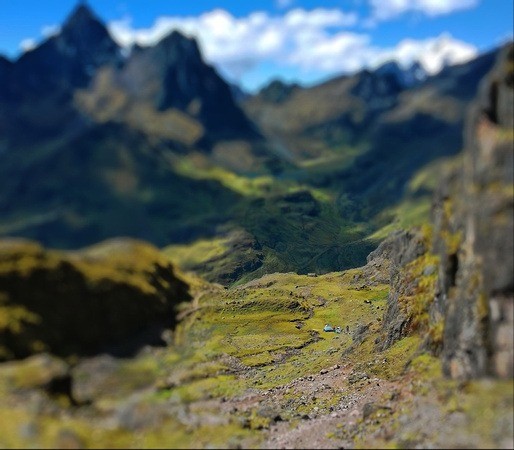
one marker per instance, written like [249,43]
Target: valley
[250,367]
[309,176]
[325,266]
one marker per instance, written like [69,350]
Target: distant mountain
[42,82]
[369,133]
[154,145]
[66,61]
[277,91]
[408,77]
[173,76]
[91,138]
[80,75]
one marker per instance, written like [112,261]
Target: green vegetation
[74,302]
[414,207]
[268,320]
[259,336]
[238,345]
[123,350]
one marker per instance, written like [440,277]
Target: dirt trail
[317,431]
[334,428]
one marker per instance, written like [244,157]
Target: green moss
[417,301]
[213,387]
[196,253]
[117,288]
[436,334]
[397,357]
[275,324]
[54,432]
[487,405]
[426,366]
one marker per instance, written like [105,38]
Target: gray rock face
[402,248]
[173,74]
[474,230]
[473,221]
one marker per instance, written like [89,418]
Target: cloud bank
[302,41]
[388,9]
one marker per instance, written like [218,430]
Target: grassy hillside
[251,366]
[310,184]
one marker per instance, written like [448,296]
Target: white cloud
[301,44]
[28,44]
[50,30]
[343,52]
[239,44]
[284,4]
[349,52]
[306,42]
[46,31]
[388,9]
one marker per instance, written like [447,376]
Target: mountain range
[332,265]
[154,145]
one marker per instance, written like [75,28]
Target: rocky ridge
[460,270]
[84,302]
[474,219]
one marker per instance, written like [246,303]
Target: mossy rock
[80,302]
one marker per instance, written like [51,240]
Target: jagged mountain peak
[406,76]
[86,32]
[64,62]
[178,47]
[173,74]
[80,15]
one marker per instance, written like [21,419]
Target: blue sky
[251,42]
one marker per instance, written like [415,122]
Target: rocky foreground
[251,367]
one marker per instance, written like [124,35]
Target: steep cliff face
[401,249]
[474,237]
[452,282]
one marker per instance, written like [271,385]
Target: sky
[304,41]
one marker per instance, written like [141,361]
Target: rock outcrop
[474,229]
[454,284]
[400,249]
[82,302]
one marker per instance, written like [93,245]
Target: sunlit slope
[251,363]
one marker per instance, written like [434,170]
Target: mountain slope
[412,350]
[41,83]
[153,145]
[367,135]
[83,190]
[91,138]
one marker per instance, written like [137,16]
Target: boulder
[80,302]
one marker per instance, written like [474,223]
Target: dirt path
[332,427]
[318,430]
